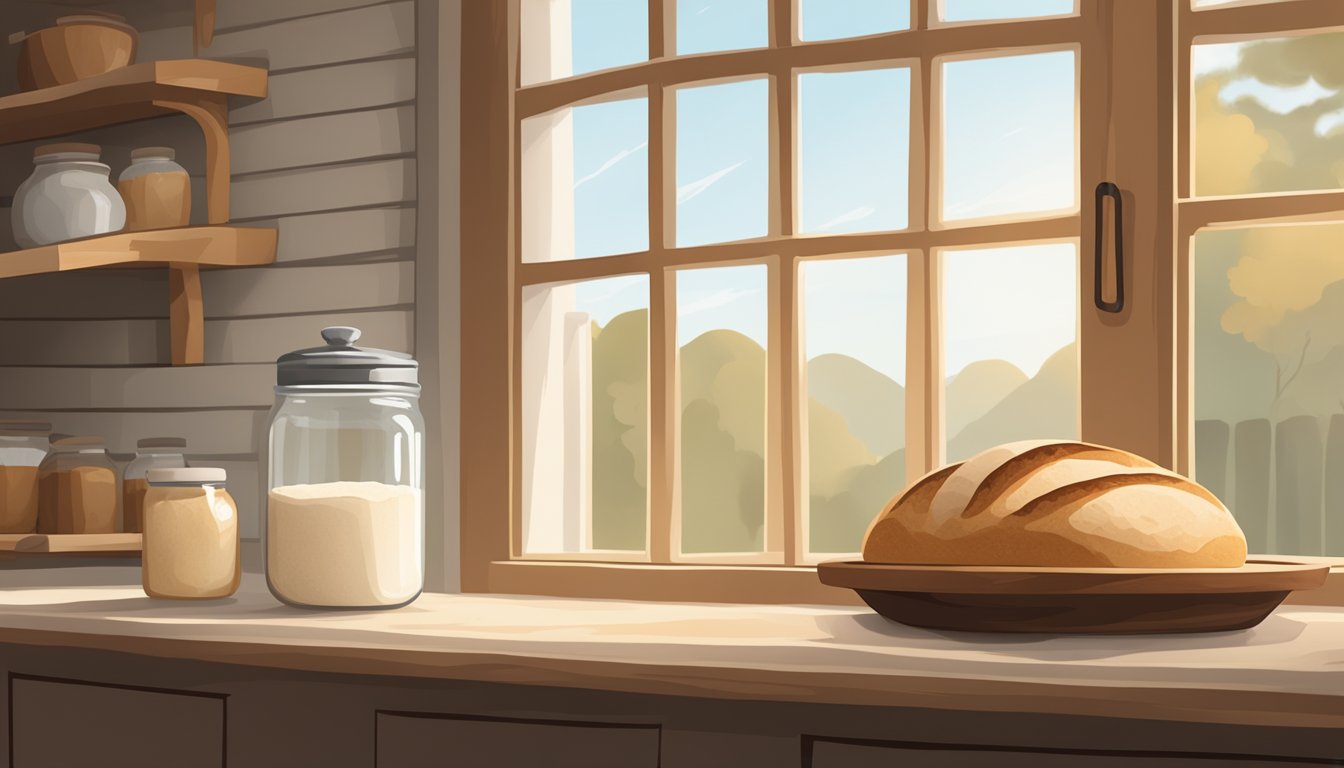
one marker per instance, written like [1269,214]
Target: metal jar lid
[187,476]
[340,365]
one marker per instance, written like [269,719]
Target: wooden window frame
[493,107]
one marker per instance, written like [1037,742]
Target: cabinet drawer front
[831,754]
[408,740]
[69,723]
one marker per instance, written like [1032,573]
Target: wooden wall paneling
[250,13]
[121,293]
[344,137]
[227,341]
[330,38]
[294,290]
[327,235]
[311,190]
[197,386]
[116,726]
[235,432]
[338,88]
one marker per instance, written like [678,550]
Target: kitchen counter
[1288,671]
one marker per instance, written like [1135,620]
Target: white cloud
[609,164]
[1330,122]
[848,217]
[1276,98]
[702,10]
[689,191]
[720,298]
[1216,57]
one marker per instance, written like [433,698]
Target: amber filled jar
[190,548]
[77,488]
[23,446]
[150,453]
[157,190]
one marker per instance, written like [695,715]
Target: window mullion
[663,490]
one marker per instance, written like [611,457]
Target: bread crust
[1056,504]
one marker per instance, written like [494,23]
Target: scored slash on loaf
[1056,504]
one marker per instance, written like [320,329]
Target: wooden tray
[74,544]
[1074,600]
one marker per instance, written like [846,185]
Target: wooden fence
[1284,481]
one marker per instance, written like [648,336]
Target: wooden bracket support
[211,113]
[186,314]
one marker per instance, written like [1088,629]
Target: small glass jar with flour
[345,515]
[191,535]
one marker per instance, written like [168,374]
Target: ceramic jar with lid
[23,446]
[68,196]
[190,547]
[150,453]
[77,488]
[156,190]
[345,515]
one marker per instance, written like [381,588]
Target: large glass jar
[68,196]
[77,488]
[150,453]
[23,446]
[345,515]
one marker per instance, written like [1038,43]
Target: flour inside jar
[345,544]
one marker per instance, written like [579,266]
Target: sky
[1009,148]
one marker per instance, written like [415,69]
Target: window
[1261,259]
[727,237]
[756,250]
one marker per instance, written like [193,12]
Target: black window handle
[1107,189]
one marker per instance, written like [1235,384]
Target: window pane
[586,181]
[1269,115]
[585,415]
[1011,353]
[993,10]
[830,19]
[559,39]
[721,25]
[723,168]
[1269,382]
[854,147]
[721,320]
[854,345]
[1009,136]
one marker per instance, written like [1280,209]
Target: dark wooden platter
[1074,600]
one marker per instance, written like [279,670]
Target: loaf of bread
[1056,504]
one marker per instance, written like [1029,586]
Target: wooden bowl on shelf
[1075,600]
[78,47]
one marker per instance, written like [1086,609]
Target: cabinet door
[66,723]
[829,754]
[414,740]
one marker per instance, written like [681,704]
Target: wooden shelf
[101,544]
[131,93]
[202,246]
[197,88]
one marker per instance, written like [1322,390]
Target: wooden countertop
[1287,671]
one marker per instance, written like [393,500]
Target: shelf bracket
[203,27]
[186,314]
[211,113]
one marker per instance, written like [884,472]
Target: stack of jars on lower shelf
[62,484]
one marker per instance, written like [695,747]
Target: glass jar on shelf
[156,190]
[150,453]
[345,512]
[190,548]
[23,446]
[77,488]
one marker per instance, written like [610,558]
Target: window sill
[1283,672]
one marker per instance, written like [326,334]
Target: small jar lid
[78,442]
[141,153]
[186,476]
[68,148]
[340,364]
[161,442]
[22,428]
